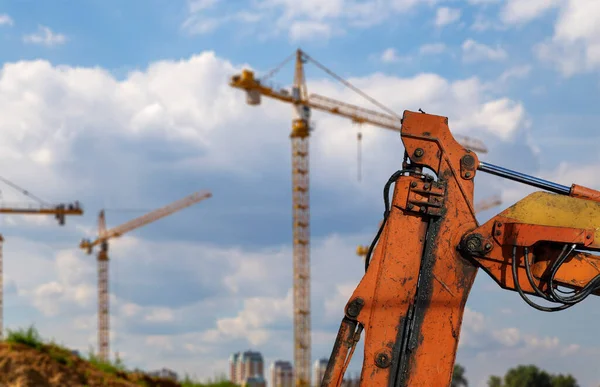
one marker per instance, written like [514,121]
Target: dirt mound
[52,366]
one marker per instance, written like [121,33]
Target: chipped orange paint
[389,287]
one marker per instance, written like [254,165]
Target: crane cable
[23,191]
[277,68]
[352,87]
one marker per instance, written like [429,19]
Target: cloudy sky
[125,106]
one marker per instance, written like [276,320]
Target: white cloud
[518,11]
[180,118]
[311,19]
[390,55]
[484,2]
[473,320]
[306,30]
[575,45]
[446,15]
[335,306]
[515,72]
[46,37]
[201,5]
[250,323]
[474,52]
[483,22]
[432,49]
[6,20]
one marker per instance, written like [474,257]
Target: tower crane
[60,211]
[302,104]
[102,258]
[484,204]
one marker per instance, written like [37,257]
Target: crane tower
[102,258]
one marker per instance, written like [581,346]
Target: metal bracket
[467,167]
[426,197]
[527,235]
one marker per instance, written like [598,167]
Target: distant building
[248,364]
[164,373]
[254,381]
[319,371]
[233,360]
[282,374]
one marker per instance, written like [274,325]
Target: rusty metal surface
[417,283]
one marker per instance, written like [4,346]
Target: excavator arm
[421,266]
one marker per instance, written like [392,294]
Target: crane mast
[102,257]
[301,222]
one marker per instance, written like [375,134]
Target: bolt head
[468,160]
[355,307]
[419,152]
[383,360]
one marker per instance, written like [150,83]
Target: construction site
[434,235]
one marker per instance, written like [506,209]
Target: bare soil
[51,366]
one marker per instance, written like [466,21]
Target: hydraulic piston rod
[523,178]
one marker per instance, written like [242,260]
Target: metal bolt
[382,360]
[468,174]
[588,236]
[410,206]
[499,224]
[355,307]
[419,152]
[498,232]
[473,244]
[423,209]
[468,160]
[488,246]
[413,184]
[426,186]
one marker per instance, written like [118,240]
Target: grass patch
[218,381]
[110,367]
[29,337]
[59,354]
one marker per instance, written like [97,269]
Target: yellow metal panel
[548,209]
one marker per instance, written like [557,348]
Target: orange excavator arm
[428,250]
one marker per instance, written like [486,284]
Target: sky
[126,106]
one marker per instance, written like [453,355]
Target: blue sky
[125,105]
